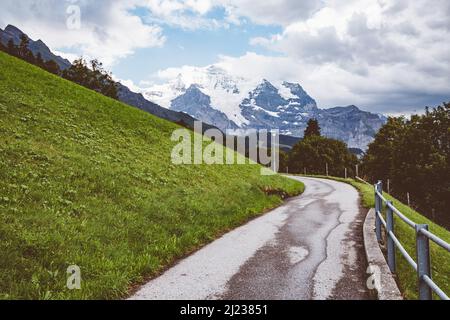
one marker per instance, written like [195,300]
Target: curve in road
[309,248]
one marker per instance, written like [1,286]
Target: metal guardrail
[423,236]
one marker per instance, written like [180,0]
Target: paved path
[309,248]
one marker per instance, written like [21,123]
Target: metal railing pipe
[378,208]
[423,262]
[423,236]
[390,241]
[436,239]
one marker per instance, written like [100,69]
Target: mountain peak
[178,84]
[13,30]
[215,70]
[350,108]
[193,87]
[295,88]
[266,86]
[13,33]
[292,85]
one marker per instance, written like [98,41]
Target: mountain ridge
[265,105]
[14,33]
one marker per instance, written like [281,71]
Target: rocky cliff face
[197,104]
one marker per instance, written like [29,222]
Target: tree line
[413,154]
[318,155]
[23,52]
[91,74]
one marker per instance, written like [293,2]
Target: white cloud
[188,14]
[108,30]
[275,12]
[381,54]
[192,14]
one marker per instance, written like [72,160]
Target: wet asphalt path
[309,248]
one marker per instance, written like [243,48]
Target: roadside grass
[86,180]
[440,258]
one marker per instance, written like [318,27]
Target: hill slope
[124,93]
[87,180]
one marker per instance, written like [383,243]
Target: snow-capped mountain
[225,92]
[197,104]
[285,107]
[215,97]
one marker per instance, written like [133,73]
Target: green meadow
[86,180]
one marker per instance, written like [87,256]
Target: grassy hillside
[86,180]
[440,258]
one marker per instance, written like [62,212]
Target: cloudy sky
[390,56]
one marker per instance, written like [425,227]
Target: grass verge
[86,180]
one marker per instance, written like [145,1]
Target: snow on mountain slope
[226,92]
[215,97]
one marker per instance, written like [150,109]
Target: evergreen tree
[315,152]
[23,51]
[313,128]
[78,72]
[52,67]
[378,160]
[93,77]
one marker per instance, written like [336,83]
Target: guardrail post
[423,262]
[390,241]
[378,208]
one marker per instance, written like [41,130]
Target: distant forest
[314,154]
